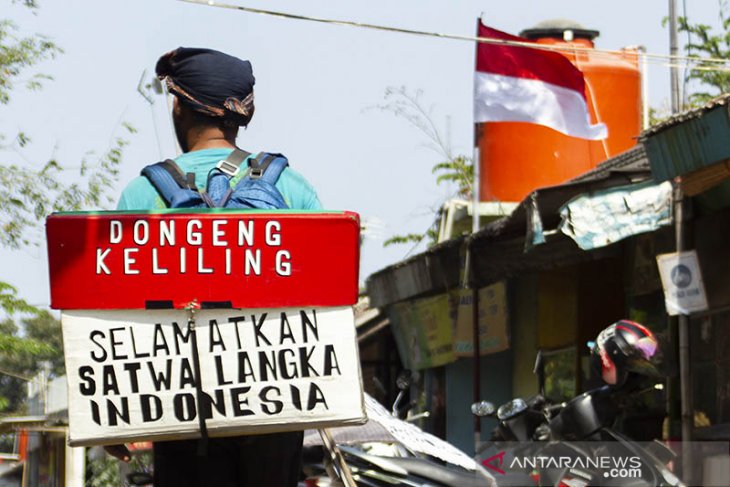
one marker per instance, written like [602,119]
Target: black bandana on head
[210,82]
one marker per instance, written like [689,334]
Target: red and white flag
[522,84]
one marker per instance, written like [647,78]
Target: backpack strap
[168,179]
[218,188]
[267,167]
[231,164]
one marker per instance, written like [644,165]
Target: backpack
[256,190]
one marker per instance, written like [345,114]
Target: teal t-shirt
[141,195]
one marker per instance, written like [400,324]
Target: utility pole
[681,218]
[674,70]
[681,227]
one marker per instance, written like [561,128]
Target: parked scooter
[581,428]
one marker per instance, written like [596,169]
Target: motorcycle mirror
[482,408]
[511,409]
[403,382]
[539,371]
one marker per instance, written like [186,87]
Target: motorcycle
[388,450]
[560,444]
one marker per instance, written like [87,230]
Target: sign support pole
[685,379]
[203,442]
[343,470]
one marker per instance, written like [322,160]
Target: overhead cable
[676,60]
[16,375]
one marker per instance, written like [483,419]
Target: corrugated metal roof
[429,272]
[507,258]
[722,100]
[693,146]
[633,160]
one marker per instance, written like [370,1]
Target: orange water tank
[516,157]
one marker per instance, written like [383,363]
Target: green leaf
[704,42]
[403,239]
[11,303]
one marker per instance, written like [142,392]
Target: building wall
[557,308]
[710,331]
[523,333]
[559,311]
[495,386]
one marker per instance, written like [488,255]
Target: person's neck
[210,139]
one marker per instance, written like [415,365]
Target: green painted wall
[523,292]
[496,386]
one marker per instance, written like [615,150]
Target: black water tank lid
[556,27]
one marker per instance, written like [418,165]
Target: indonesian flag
[522,84]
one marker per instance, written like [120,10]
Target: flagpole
[475,207]
[475,183]
[476,163]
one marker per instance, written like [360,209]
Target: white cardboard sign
[684,290]
[131,372]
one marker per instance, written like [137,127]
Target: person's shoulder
[298,191]
[295,177]
[139,194]
[139,183]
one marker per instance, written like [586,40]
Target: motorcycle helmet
[624,347]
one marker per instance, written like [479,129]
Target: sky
[318,88]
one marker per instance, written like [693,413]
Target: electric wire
[665,60]
[686,72]
[16,375]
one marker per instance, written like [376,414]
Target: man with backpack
[213,98]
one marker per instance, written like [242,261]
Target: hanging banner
[131,374]
[222,258]
[423,332]
[493,323]
[432,315]
[600,218]
[684,289]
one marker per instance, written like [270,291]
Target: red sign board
[230,259]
